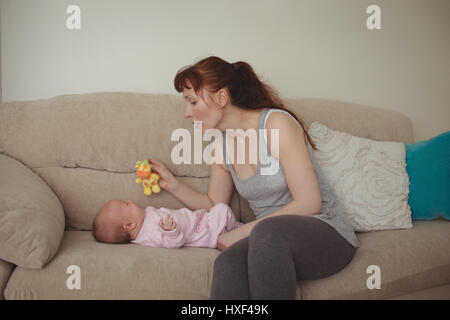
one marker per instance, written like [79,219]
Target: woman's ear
[221,97]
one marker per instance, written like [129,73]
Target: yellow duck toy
[148,179]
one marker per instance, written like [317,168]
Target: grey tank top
[267,193]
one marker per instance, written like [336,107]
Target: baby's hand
[167,224]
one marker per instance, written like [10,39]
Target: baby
[120,221]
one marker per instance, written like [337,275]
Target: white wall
[304,48]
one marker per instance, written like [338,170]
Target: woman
[300,231]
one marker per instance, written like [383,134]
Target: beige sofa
[81,150]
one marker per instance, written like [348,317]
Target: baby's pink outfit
[198,228]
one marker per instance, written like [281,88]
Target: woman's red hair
[245,89]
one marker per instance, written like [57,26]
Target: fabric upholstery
[428,167]
[368,177]
[6,269]
[410,260]
[31,216]
[435,293]
[123,271]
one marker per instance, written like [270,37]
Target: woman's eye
[193,103]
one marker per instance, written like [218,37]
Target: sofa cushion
[435,293]
[31,216]
[117,271]
[368,176]
[428,167]
[409,260]
[5,271]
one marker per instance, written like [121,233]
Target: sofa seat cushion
[123,271]
[409,260]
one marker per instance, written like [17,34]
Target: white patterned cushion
[368,176]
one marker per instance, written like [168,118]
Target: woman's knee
[273,228]
[263,229]
[230,276]
[234,255]
[224,259]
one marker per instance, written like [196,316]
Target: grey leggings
[279,251]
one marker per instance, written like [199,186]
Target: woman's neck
[237,118]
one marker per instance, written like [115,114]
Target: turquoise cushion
[428,167]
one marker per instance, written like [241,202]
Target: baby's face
[125,210]
[117,221]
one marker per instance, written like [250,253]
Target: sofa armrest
[31,216]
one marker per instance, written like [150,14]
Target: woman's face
[197,109]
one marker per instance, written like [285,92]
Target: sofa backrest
[85,146]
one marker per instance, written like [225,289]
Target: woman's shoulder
[277,118]
[288,127]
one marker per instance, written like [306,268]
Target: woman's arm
[219,190]
[190,198]
[298,171]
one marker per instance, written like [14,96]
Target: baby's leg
[223,208]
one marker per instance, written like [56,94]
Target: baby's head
[118,221]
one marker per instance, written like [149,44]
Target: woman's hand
[167,181]
[227,239]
